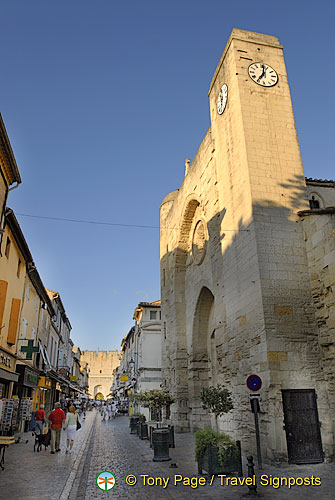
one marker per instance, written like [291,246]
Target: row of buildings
[140,357]
[38,360]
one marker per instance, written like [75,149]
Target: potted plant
[155,400]
[215,452]
[217,400]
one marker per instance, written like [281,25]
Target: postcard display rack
[9,409]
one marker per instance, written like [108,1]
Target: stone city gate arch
[97,389]
[200,370]
[181,408]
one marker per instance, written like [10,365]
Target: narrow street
[108,446]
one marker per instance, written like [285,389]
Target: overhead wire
[102,223]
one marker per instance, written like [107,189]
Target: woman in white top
[71,427]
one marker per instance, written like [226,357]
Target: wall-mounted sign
[6,361]
[73,378]
[124,378]
[44,382]
[29,349]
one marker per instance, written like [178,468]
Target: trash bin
[160,443]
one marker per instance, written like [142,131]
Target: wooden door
[302,426]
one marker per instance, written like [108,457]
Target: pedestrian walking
[104,412]
[114,408]
[40,420]
[83,407]
[109,409]
[56,418]
[71,426]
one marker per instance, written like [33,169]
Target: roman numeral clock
[263,74]
[260,73]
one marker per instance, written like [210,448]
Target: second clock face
[222,98]
[263,74]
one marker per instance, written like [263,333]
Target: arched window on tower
[314,203]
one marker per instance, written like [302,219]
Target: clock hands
[263,73]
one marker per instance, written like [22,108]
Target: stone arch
[181,408]
[199,360]
[97,388]
[315,200]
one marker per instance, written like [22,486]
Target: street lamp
[132,363]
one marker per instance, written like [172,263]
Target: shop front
[26,390]
[45,393]
[8,376]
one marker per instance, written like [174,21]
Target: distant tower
[101,365]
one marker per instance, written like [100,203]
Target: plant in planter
[216,453]
[217,400]
[155,400]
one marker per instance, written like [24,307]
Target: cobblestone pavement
[101,446]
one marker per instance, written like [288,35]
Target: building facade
[101,365]
[236,275]
[9,179]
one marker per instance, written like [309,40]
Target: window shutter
[13,321]
[3,293]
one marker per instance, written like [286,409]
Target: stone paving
[109,446]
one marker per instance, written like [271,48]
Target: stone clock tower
[236,293]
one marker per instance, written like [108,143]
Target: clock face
[222,98]
[263,74]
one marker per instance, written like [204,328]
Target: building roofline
[11,170]
[319,182]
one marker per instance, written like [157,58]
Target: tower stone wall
[101,365]
[236,291]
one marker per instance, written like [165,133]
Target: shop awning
[11,376]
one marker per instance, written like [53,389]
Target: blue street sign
[254,382]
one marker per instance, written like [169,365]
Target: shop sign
[73,378]
[44,382]
[6,360]
[33,379]
[124,378]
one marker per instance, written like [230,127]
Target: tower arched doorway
[200,369]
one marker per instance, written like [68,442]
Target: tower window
[153,314]
[313,203]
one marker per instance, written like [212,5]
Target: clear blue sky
[103,101]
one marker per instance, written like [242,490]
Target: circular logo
[105,480]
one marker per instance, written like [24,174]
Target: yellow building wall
[12,287]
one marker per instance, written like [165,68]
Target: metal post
[255,409]
[258,441]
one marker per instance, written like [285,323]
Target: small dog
[42,440]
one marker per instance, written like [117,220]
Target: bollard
[160,442]
[251,473]
[133,425]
